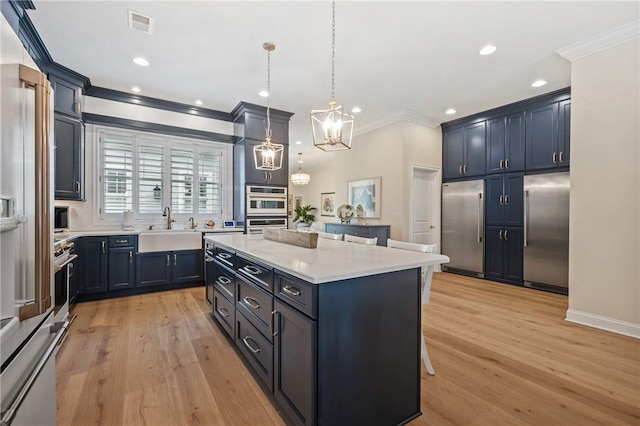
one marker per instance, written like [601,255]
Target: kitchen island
[333,332]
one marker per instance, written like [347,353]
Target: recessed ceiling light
[450,111]
[356,110]
[141,61]
[135,89]
[298,143]
[538,83]
[487,50]
[136,101]
[198,102]
[263,93]
[193,111]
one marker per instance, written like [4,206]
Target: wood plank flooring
[503,355]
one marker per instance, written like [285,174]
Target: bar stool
[427,274]
[361,240]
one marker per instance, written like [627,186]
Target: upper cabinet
[529,136]
[464,151]
[546,149]
[505,143]
[68,137]
[68,131]
[255,128]
[68,95]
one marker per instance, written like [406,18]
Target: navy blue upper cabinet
[464,151]
[505,144]
[543,140]
[564,132]
[68,137]
[504,200]
[67,96]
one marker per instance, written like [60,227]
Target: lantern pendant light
[299,179]
[332,128]
[267,155]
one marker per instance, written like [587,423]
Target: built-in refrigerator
[546,231]
[463,226]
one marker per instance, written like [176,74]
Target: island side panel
[369,349]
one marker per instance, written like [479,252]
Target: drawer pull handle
[208,259]
[501,164]
[291,291]
[222,255]
[246,339]
[121,241]
[223,312]
[502,200]
[252,270]
[252,302]
[224,280]
[506,163]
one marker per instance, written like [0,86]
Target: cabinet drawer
[122,241]
[225,282]
[255,272]
[224,256]
[297,293]
[224,312]
[257,349]
[256,305]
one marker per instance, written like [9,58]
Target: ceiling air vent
[140,22]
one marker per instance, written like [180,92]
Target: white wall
[388,152]
[604,256]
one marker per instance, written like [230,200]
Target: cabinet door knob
[506,200]
[464,169]
[506,163]
[502,200]
[272,329]
[555,158]
[505,234]
[167,260]
[77,187]
[130,257]
[175,259]
[460,170]
[561,157]
[501,164]
[103,246]
[500,234]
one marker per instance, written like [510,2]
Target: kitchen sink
[168,240]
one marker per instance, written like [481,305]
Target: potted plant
[303,216]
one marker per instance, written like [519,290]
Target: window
[144,173]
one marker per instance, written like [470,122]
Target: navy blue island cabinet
[323,350]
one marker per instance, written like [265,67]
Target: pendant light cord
[268,94]
[333,51]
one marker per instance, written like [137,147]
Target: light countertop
[71,235]
[331,261]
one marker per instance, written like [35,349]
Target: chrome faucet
[167,212]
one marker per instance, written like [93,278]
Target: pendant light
[332,128]
[267,155]
[299,179]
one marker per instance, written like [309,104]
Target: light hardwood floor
[503,355]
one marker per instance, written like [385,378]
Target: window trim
[167,142]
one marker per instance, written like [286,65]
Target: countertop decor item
[291,237]
[345,213]
[328,204]
[299,178]
[332,128]
[368,193]
[303,215]
[361,215]
[267,155]
[127,220]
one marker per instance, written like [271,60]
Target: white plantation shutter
[143,173]
[209,186]
[150,177]
[182,170]
[117,173]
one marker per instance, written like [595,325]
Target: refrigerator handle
[526,213]
[479,217]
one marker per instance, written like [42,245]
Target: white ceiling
[413,59]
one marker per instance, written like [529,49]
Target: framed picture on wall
[366,192]
[290,205]
[328,204]
[297,203]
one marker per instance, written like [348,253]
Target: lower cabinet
[122,269]
[169,267]
[294,361]
[503,253]
[93,264]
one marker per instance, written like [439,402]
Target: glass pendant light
[299,179]
[267,155]
[332,128]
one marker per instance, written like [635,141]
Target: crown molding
[408,116]
[601,41]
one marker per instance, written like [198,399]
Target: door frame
[436,206]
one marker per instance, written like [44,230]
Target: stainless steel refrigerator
[463,226]
[546,231]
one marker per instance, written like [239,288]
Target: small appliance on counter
[61,218]
[127,220]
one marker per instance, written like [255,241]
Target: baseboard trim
[604,323]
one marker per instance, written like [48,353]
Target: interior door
[424,206]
